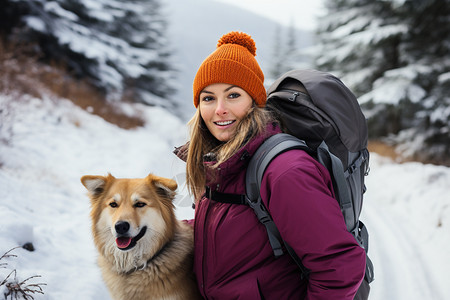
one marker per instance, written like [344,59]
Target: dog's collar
[160,251]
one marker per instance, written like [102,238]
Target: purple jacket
[233,257]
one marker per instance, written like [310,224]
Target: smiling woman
[229,95]
[233,258]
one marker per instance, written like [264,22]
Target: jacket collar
[239,161]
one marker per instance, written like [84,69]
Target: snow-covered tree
[394,55]
[122,46]
[289,51]
[276,68]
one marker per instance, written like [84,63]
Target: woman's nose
[221,108]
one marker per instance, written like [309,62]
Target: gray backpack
[320,115]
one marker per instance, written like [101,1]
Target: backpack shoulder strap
[334,165]
[340,186]
[271,148]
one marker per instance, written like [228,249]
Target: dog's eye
[113,204]
[139,204]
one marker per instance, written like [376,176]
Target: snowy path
[405,267]
[400,271]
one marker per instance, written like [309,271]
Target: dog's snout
[122,227]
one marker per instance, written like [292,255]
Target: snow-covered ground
[407,206]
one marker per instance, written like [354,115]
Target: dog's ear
[96,184]
[164,186]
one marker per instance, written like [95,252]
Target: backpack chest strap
[261,213]
[225,197]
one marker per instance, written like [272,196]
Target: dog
[144,251]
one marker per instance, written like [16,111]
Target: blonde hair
[203,142]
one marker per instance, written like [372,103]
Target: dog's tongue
[123,242]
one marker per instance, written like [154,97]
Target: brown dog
[145,252]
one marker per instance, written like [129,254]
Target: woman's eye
[139,204]
[234,95]
[113,204]
[207,98]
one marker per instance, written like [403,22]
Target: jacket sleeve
[297,191]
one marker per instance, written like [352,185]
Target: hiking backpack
[320,115]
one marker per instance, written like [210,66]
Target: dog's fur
[144,251]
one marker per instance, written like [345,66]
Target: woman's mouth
[224,123]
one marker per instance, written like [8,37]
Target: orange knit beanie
[233,62]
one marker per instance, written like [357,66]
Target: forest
[392,54]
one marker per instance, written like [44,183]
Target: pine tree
[122,47]
[276,68]
[288,54]
[148,31]
[392,55]
[359,41]
[291,50]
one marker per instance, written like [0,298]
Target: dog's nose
[122,227]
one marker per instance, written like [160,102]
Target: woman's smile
[224,123]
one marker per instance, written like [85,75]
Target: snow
[35,23]
[54,143]
[55,8]
[440,115]
[376,34]
[444,77]
[396,85]
[408,219]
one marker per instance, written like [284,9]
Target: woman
[233,258]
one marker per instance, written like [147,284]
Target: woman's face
[222,106]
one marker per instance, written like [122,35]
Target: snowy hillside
[43,202]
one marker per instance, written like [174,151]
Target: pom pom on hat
[238,38]
[233,62]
